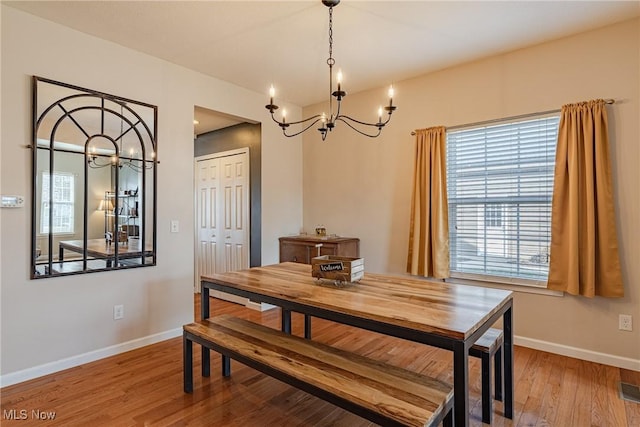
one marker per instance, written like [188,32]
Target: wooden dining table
[100,248]
[431,312]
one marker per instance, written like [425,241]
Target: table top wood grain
[426,306]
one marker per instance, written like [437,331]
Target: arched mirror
[94,181]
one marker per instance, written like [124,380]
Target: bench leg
[307,326]
[206,362]
[226,366]
[498,375]
[187,368]
[486,388]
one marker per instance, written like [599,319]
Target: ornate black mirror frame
[93,193]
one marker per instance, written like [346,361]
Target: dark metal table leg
[204,314]
[286,321]
[187,359]
[508,363]
[206,362]
[460,384]
[226,366]
[307,326]
[487,404]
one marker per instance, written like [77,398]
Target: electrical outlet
[175,226]
[625,322]
[118,312]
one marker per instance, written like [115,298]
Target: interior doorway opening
[216,133]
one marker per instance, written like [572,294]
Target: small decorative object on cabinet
[305,247]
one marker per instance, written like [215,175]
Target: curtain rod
[522,116]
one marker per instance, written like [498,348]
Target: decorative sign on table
[339,269]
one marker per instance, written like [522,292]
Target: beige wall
[360,187]
[54,323]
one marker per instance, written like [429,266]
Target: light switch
[175,226]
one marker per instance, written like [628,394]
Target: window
[62,204]
[493,215]
[499,186]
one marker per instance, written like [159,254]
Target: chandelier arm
[316,117]
[284,131]
[342,119]
[137,168]
[94,164]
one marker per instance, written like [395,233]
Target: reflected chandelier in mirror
[94,180]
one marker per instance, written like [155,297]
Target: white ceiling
[254,44]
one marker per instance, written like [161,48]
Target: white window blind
[499,186]
[61,206]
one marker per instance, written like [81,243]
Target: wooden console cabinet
[302,248]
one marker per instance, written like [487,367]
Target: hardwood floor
[143,387]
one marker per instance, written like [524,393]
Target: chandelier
[115,160]
[97,161]
[328,122]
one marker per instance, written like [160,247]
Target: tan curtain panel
[429,232]
[584,246]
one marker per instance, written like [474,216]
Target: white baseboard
[579,353]
[70,362]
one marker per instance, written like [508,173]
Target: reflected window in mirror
[94,181]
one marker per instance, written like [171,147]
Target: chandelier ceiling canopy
[328,122]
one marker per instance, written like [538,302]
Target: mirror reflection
[94,181]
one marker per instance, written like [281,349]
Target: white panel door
[234,180]
[222,213]
[207,219]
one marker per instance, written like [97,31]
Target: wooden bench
[382,393]
[489,345]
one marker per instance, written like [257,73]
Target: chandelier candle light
[327,123]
